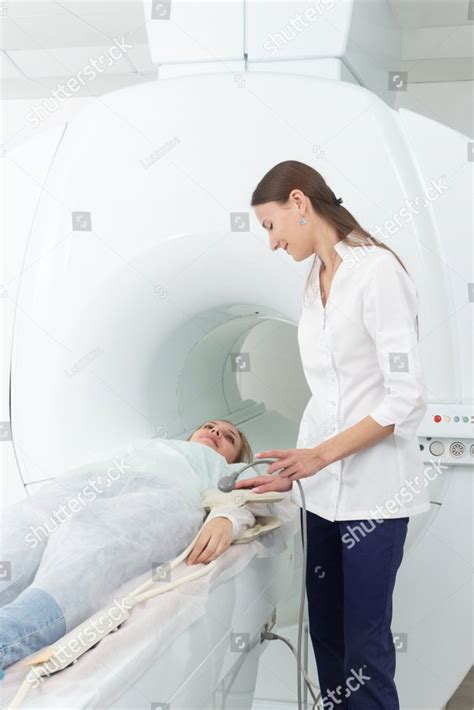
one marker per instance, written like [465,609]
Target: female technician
[357,454]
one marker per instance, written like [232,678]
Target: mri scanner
[148,300]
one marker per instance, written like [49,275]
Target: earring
[302,220]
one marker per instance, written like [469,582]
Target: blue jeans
[32,621]
[351,571]
[30,617]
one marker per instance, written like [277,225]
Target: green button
[456,419]
[465,419]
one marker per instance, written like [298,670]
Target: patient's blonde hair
[245,454]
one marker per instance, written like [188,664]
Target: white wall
[448,102]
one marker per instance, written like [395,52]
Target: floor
[277,670]
[463,698]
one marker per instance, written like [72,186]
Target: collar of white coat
[343,249]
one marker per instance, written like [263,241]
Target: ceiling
[414,14]
[30,25]
[45,42]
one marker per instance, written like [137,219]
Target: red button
[437,418]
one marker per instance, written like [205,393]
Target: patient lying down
[68,546]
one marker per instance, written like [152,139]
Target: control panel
[446,433]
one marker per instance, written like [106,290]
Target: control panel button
[457,448]
[437,448]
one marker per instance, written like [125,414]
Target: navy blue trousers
[350,577]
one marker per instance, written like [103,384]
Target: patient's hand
[215,538]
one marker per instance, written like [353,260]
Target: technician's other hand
[266,483]
[215,538]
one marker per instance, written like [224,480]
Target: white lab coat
[360,357]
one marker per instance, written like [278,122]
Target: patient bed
[188,647]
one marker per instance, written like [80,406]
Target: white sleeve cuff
[285,509]
[406,425]
[243,517]
[240,517]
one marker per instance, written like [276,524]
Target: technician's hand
[215,538]
[266,483]
[296,463]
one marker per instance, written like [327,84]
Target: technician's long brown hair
[276,185]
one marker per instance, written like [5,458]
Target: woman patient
[67,547]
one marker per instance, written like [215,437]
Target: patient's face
[220,436]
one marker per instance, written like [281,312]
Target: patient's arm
[240,517]
[243,517]
[214,539]
[227,522]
